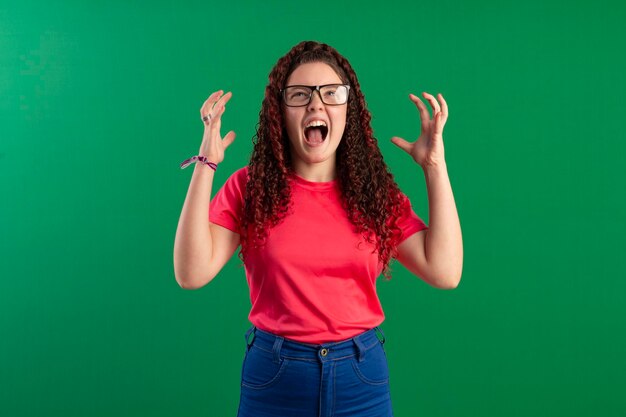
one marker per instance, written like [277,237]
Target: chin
[318,154]
[313,158]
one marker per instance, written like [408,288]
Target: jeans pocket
[259,369]
[373,368]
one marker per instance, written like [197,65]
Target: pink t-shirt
[314,281]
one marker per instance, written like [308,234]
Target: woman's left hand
[427,150]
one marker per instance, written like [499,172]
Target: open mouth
[315,134]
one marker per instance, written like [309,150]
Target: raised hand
[213,145]
[427,150]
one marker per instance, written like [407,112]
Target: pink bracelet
[198,158]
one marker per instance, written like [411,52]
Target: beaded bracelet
[198,158]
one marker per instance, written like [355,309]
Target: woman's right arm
[201,248]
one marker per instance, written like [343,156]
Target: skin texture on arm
[435,254]
[201,249]
[224,244]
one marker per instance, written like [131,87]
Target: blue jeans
[282,378]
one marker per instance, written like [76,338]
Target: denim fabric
[283,378]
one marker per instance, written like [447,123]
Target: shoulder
[403,201]
[241,173]
[234,188]
[238,178]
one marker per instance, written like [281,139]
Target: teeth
[315,123]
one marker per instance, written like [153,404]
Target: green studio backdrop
[99,104]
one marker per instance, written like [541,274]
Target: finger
[433,102]
[217,112]
[209,102]
[206,114]
[424,115]
[444,107]
[228,139]
[224,99]
[220,107]
[216,119]
[439,122]
[402,144]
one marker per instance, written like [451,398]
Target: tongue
[314,136]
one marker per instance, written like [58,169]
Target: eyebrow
[313,86]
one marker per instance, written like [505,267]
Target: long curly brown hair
[370,195]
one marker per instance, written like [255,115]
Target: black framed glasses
[300,95]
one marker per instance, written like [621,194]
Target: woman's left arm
[435,254]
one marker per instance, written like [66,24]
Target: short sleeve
[409,222]
[226,207]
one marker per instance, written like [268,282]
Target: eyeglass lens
[330,94]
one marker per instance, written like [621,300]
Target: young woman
[318,217]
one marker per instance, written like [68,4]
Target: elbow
[447,277]
[447,281]
[190,284]
[186,282]
[450,283]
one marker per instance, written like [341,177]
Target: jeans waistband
[292,349]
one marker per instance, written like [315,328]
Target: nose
[316,101]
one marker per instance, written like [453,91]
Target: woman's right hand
[213,145]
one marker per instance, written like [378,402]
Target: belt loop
[250,330]
[278,343]
[378,329]
[360,346]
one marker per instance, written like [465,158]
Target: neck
[316,172]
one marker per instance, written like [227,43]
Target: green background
[99,104]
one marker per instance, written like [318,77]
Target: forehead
[314,73]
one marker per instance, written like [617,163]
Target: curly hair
[370,194]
